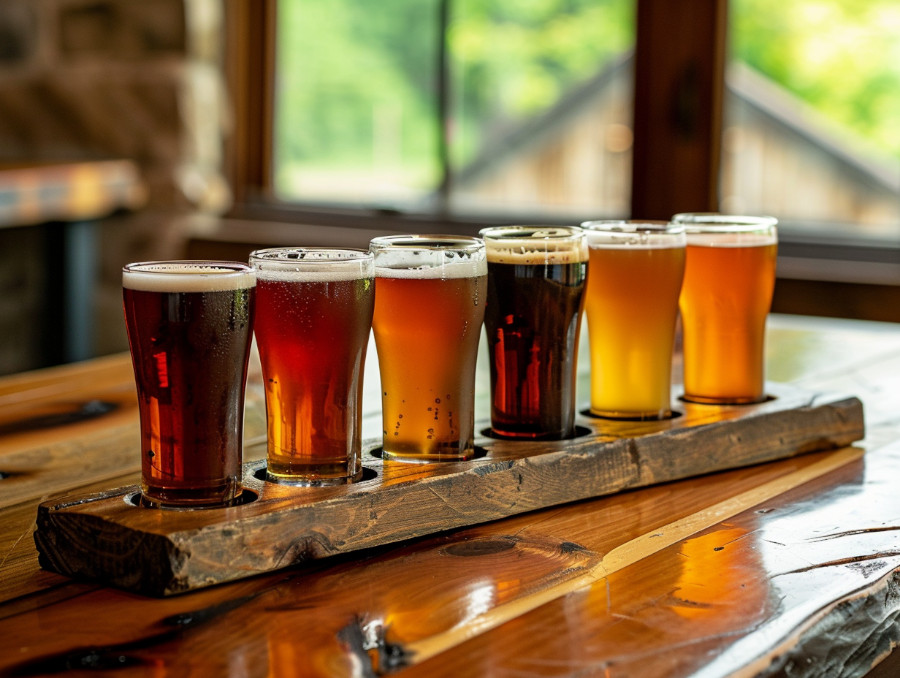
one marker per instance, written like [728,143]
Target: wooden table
[786,568]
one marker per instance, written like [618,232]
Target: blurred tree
[840,56]
[357,81]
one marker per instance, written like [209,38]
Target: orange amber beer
[536,282]
[728,284]
[636,269]
[429,306]
[313,315]
[189,327]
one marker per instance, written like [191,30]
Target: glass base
[725,400]
[620,415]
[427,457]
[312,478]
[530,435]
[218,496]
[303,470]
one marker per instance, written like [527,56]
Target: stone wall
[123,79]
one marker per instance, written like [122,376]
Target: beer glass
[727,292]
[313,315]
[189,326]
[636,269]
[429,306]
[536,284]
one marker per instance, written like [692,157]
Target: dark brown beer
[536,284]
[189,326]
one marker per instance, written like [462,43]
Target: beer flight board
[106,537]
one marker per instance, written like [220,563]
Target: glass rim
[717,222]
[181,266]
[273,255]
[532,233]
[633,227]
[424,241]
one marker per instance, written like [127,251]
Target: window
[459,106]
[810,131]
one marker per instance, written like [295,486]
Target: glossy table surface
[787,568]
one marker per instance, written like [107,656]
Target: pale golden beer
[429,305]
[728,284]
[634,280]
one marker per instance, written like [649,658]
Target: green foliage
[515,59]
[356,77]
[840,56]
[344,65]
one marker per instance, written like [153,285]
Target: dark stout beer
[536,283]
[189,327]
[313,315]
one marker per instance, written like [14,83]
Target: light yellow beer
[634,279]
[728,285]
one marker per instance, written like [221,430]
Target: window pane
[542,99]
[538,119]
[356,116]
[811,133]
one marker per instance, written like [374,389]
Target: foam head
[312,264]
[188,276]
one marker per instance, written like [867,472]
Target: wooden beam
[678,92]
[250,71]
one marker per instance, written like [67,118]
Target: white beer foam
[330,272]
[731,239]
[452,268]
[634,241]
[187,278]
[613,245]
[525,253]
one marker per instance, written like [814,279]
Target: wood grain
[105,538]
[630,553]
[801,584]
[366,614]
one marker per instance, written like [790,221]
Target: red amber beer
[189,327]
[536,284]
[313,315]
[429,306]
[636,269]
[728,284]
